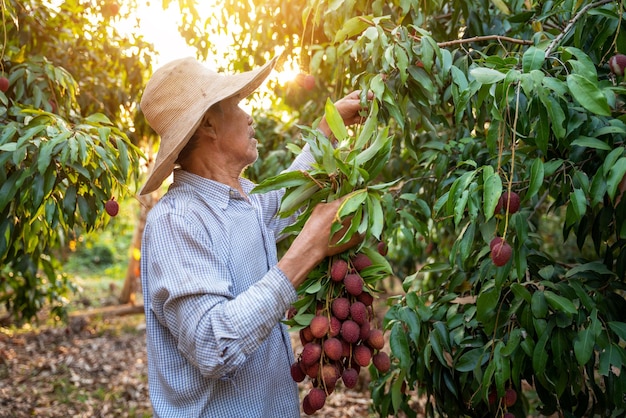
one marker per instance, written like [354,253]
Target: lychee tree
[66,147]
[484,98]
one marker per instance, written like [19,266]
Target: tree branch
[498,38]
[571,23]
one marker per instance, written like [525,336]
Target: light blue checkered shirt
[214,298]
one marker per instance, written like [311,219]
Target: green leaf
[369,127]
[533,59]
[578,202]
[492,189]
[98,118]
[583,346]
[351,203]
[351,27]
[536,179]
[399,344]
[539,305]
[471,359]
[589,142]
[619,328]
[487,75]
[296,197]
[287,179]
[588,95]
[559,303]
[335,121]
[376,216]
[615,176]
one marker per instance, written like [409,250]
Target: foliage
[65,146]
[484,97]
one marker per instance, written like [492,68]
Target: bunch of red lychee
[342,336]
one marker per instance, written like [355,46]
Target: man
[214,290]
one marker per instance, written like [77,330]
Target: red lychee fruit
[350,331]
[340,307]
[338,270]
[291,312]
[330,375]
[510,397]
[510,201]
[305,335]
[297,373]
[317,398]
[307,81]
[362,355]
[361,261]
[382,248]
[381,361]
[335,326]
[311,353]
[501,253]
[333,348]
[492,397]
[376,339]
[313,370]
[319,326]
[353,283]
[4,84]
[350,377]
[358,312]
[112,207]
[366,298]
[496,240]
[306,406]
[617,63]
[364,332]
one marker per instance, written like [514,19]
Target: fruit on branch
[361,261]
[340,307]
[4,84]
[319,326]
[297,373]
[353,283]
[112,207]
[307,81]
[381,361]
[510,202]
[617,63]
[382,248]
[510,397]
[338,270]
[501,253]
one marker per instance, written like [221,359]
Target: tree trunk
[132,282]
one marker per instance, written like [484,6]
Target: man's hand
[349,108]
[314,243]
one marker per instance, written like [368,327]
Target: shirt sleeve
[190,294]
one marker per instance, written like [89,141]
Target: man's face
[235,134]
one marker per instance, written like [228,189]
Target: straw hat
[177,97]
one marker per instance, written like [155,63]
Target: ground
[96,367]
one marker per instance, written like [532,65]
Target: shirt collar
[211,191]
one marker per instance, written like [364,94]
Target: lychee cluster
[342,337]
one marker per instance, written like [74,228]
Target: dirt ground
[97,368]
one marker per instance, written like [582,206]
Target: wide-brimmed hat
[176,98]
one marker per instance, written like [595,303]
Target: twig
[571,23]
[466,40]
[485,38]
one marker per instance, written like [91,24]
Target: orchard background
[479,97]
